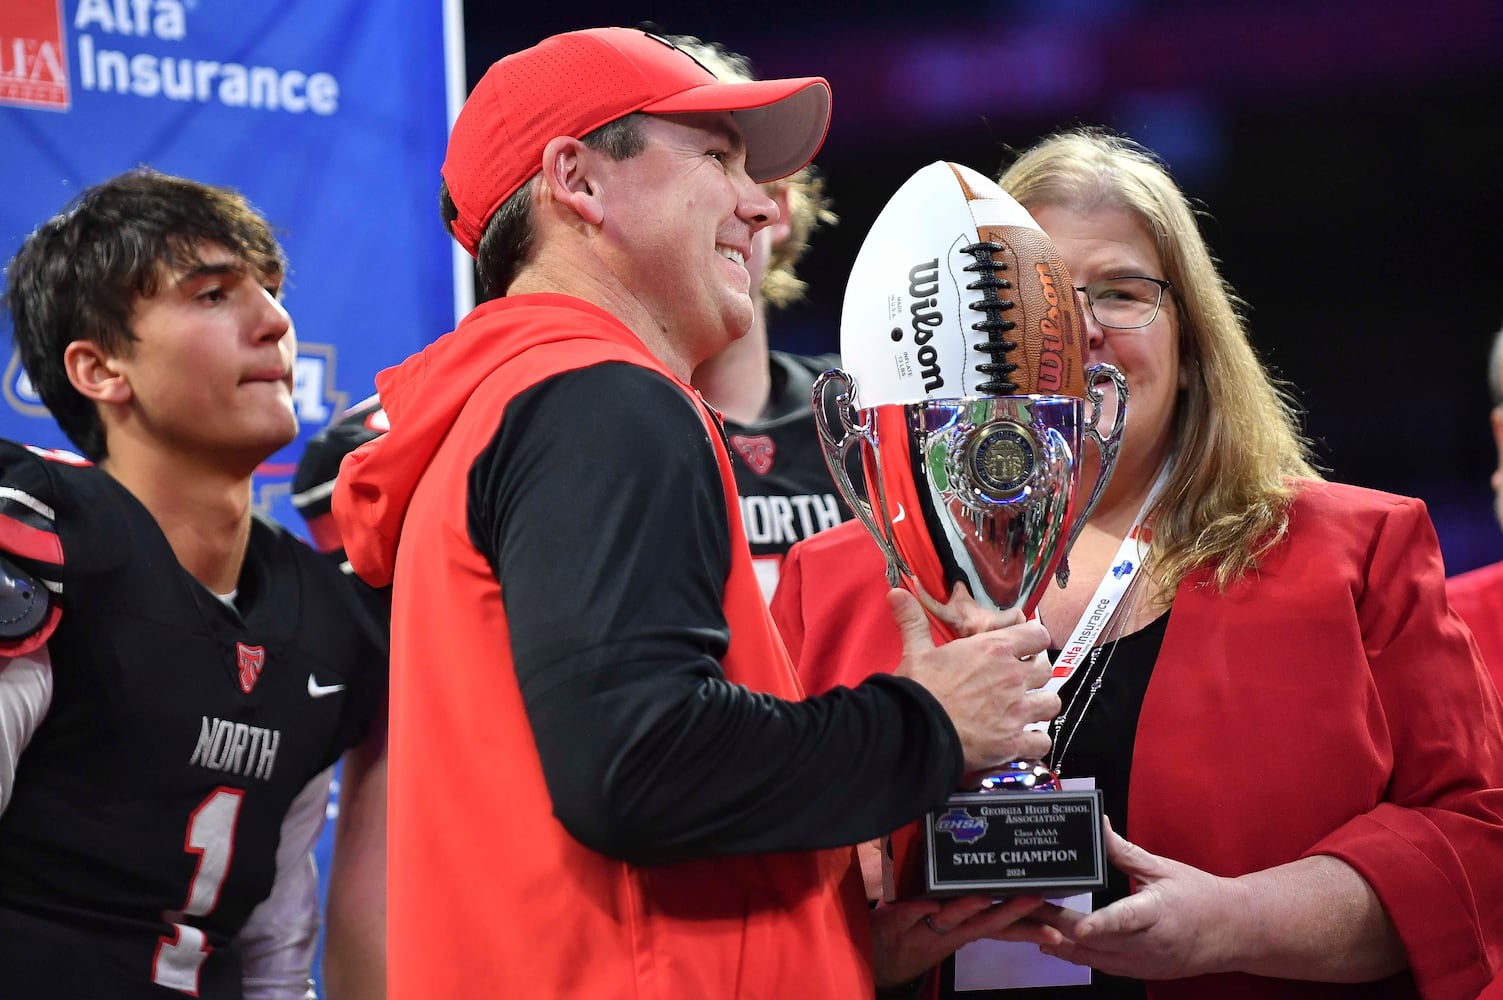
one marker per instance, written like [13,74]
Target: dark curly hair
[80,274]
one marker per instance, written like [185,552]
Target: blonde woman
[1291,730]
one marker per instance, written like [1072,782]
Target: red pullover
[489,894]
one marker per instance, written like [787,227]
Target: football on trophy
[956,291]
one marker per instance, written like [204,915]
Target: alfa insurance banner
[329,115]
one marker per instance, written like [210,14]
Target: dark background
[1345,152]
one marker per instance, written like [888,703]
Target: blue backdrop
[329,115]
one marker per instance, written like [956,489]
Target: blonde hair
[1237,440]
[808,205]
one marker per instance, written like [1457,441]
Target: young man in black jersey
[178,675]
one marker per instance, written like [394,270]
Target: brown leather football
[956,291]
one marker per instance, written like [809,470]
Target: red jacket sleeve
[1433,849]
[1330,703]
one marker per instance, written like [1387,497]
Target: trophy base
[1006,843]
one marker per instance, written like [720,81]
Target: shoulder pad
[28,518]
[319,464]
[24,603]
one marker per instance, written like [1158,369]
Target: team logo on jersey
[33,58]
[757,450]
[251,660]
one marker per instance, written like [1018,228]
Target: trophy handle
[835,389]
[1108,446]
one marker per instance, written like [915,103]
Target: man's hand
[961,615]
[912,936]
[987,679]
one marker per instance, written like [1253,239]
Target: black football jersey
[148,806]
[785,486]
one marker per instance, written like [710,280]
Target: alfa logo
[757,450]
[250,660]
[33,58]
[962,827]
[314,395]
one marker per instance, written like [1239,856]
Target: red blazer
[1329,703]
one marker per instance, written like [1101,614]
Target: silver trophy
[985,491]
[980,490]
[958,433]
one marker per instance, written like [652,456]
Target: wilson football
[956,291]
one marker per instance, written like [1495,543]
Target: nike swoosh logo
[901,513]
[317,690]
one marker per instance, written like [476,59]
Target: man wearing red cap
[604,780]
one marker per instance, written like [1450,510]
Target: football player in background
[178,676]
[1477,595]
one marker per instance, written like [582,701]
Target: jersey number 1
[211,835]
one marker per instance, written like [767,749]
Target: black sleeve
[600,507]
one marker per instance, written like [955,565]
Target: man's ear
[94,373]
[779,230]
[568,178]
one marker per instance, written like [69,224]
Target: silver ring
[929,923]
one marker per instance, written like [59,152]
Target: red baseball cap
[571,84]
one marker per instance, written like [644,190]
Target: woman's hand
[1314,918]
[1180,922]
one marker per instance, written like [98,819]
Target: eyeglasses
[1125,303]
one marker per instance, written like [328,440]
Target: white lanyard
[1125,566]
